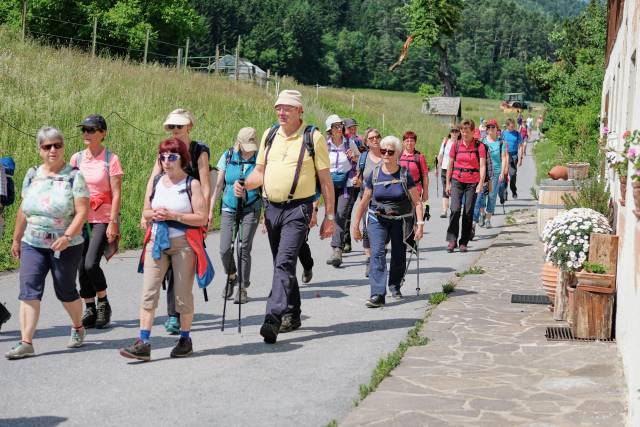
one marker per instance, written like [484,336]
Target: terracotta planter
[636,198]
[549,280]
[623,190]
[599,280]
[578,170]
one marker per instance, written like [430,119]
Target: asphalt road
[310,377]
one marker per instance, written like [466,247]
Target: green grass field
[41,85]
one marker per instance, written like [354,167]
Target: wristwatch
[69,237]
[330,217]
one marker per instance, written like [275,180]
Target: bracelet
[419,222]
[330,217]
[69,237]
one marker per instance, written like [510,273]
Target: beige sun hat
[247,140]
[289,97]
[179,116]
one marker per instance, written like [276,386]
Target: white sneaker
[20,351]
[77,338]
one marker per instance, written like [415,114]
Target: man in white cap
[287,172]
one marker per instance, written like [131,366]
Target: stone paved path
[487,362]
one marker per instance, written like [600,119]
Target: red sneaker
[463,248]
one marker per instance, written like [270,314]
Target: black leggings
[90,274]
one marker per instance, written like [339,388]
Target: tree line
[473,48]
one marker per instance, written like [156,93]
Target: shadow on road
[45,421]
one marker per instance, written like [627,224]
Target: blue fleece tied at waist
[161,240]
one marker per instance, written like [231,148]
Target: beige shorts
[183,261]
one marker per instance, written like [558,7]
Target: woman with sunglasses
[179,124]
[343,157]
[48,238]
[391,200]
[175,206]
[366,164]
[443,161]
[497,155]
[103,173]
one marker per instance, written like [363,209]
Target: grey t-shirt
[369,166]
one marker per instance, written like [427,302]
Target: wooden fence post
[146,46]
[186,54]
[24,19]
[217,60]
[179,61]
[238,59]
[95,36]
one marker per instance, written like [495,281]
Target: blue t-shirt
[493,149]
[513,140]
[391,193]
[236,169]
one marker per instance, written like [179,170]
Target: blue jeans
[487,199]
[379,230]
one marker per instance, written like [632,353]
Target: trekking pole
[418,266]
[239,263]
[224,306]
[435,172]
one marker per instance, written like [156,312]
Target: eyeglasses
[48,147]
[169,157]
[89,130]
[455,130]
[385,151]
[337,126]
[371,138]
[172,127]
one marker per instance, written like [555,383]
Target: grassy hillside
[40,85]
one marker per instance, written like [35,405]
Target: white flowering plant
[566,237]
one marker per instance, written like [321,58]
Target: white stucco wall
[622,83]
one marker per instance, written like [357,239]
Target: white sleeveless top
[173,198]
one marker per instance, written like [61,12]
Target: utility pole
[146,46]
[24,19]
[95,35]
[238,59]
[186,54]
[179,61]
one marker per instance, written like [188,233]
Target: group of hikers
[69,214]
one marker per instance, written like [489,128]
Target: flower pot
[571,305]
[549,281]
[636,198]
[593,279]
[623,190]
[578,171]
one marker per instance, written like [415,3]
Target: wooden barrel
[550,202]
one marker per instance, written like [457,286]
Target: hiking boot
[138,350]
[289,323]
[463,248]
[336,258]
[103,318]
[487,224]
[227,292]
[241,296]
[451,246]
[367,266]
[515,195]
[347,248]
[172,325]
[375,301]
[89,316]
[307,275]
[183,348]
[270,329]
[4,315]
[396,294]
[77,337]
[481,220]
[20,351]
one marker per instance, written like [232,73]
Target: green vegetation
[573,86]
[437,298]
[593,267]
[448,287]
[476,269]
[592,193]
[475,48]
[511,220]
[332,423]
[387,364]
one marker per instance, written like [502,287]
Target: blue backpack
[9,167]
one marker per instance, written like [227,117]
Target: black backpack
[488,171]
[9,167]
[196,148]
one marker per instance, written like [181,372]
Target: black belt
[466,170]
[293,202]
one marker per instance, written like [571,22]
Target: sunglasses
[337,126]
[48,147]
[385,151]
[372,138]
[172,127]
[89,130]
[455,131]
[491,127]
[168,157]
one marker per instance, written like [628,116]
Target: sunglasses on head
[172,127]
[57,146]
[384,151]
[89,130]
[169,157]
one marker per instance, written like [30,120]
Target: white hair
[392,142]
[48,133]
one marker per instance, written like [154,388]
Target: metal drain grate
[529,299]
[563,333]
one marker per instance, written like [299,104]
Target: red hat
[491,122]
